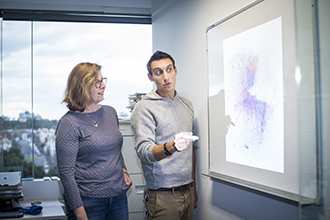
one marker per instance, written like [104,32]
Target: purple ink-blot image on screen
[253,78]
[255,111]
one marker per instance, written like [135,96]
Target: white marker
[192,137]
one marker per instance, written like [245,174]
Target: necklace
[95,124]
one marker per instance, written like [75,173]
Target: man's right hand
[180,142]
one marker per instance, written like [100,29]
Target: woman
[88,148]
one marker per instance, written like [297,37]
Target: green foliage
[52,171]
[14,161]
[38,171]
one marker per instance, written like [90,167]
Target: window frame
[58,16]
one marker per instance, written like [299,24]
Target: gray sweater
[156,120]
[89,158]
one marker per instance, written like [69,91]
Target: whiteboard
[253,102]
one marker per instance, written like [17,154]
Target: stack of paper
[133,99]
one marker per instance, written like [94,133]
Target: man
[162,123]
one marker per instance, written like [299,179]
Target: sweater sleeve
[122,161]
[66,150]
[144,126]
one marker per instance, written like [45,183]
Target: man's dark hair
[158,55]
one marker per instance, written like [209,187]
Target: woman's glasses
[99,83]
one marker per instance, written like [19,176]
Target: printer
[10,192]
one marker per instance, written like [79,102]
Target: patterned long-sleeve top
[89,158]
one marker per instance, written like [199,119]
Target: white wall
[179,27]
[324,8]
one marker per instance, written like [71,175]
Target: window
[36,59]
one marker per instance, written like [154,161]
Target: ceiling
[137,7]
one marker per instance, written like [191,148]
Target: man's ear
[176,70]
[150,77]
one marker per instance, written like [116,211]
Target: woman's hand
[128,181]
[80,213]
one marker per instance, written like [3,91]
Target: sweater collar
[153,95]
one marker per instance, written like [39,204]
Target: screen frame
[242,20]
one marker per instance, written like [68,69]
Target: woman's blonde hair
[81,78]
